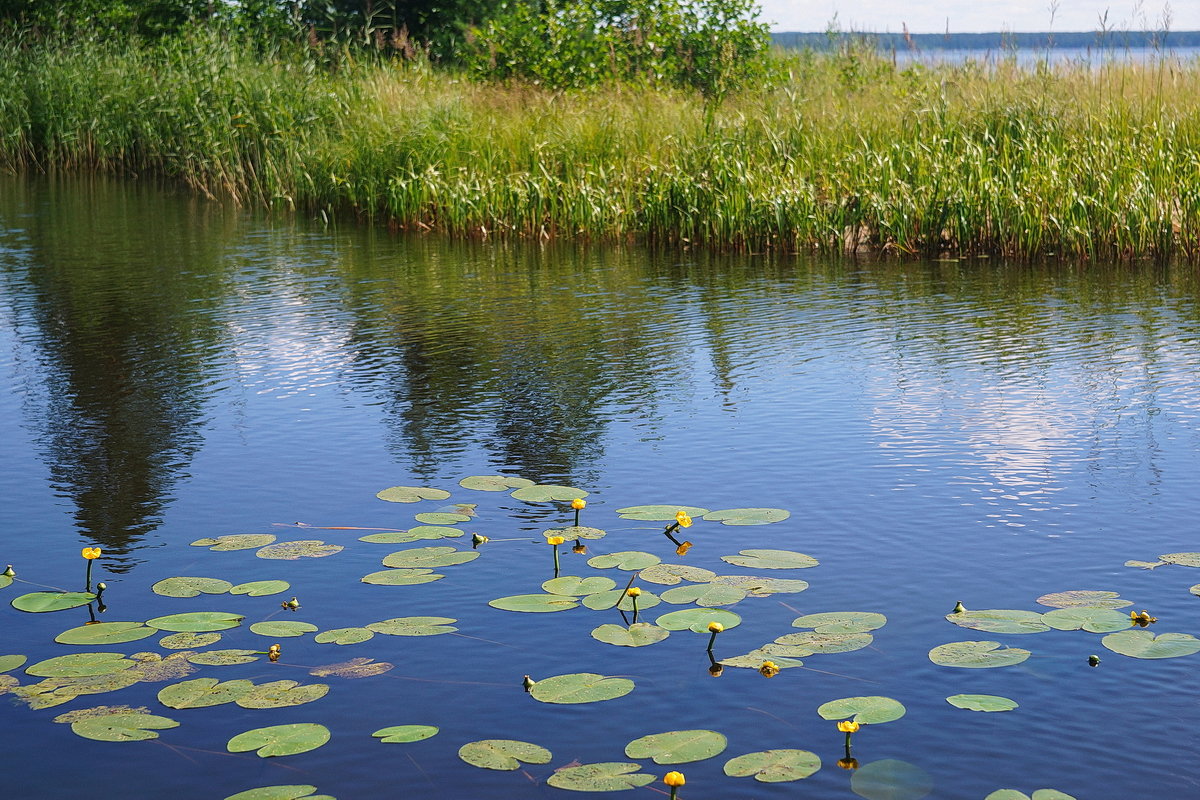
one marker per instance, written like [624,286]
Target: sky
[977,16]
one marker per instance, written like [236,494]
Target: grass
[844,152]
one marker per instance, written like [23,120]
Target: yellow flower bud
[578,503]
[633,591]
[555,540]
[683,519]
[769,669]
[715,627]
[848,726]
[91,553]
[674,779]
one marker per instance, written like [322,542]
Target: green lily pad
[98,711]
[659,513]
[755,658]
[575,586]
[418,533]
[573,532]
[102,633]
[678,747]
[414,626]
[535,603]
[697,619]
[494,483]
[639,634]
[238,541]
[430,557]
[1000,620]
[1088,618]
[616,598]
[1083,598]
[580,687]
[1145,564]
[891,779]
[1040,794]
[503,754]
[1182,559]
[80,665]
[628,560]
[747,516]
[873,710]
[5,581]
[354,668]
[402,577]
[284,628]
[344,636]
[771,559]
[976,655]
[441,518]
[411,494]
[774,766]
[122,727]
[1195,590]
[1144,644]
[607,776]
[202,693]
[223,658]
[188,641]
[190,587]
[841,621]
[981,702]
[672,574]
[756,586]
[152,668]
[196,622]
[290,792]
[9,663]
[305,548]
[280,740]
[704,594]
[281,694]
[43,602]
[775,649]
[815,642]
[401,734]
[260,588]
[547,493]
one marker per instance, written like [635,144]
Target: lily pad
[98,711]
[223,658]
[8,663]
[430,557]
[774,766]
[535,603]
[755,658]
[400,734]
[628,560]
[102,633]
[280,740]
[841,621]
[196,622]
[188,641]
[411,494]
[494,483]
[815,642]
[414,626]
[697,619]
[202,693]
[672,574]
[290,792]
[402,577]
[580,687]
[190,587]
[704,594]
[678,747]
[43,602]
[122,727]
[572,532]
[344,636]
[977,655]
[1182,559]
[1145,564]
[281,694]
[441,518]
[503,754]
[305,548]
[1088,618]
[1144,644]
[771,559]
[260,588]
[80,665]
[5,581]
[747,516]
[354,668]
[1083,598]
[285,628]
[1000,620]
[152,668]
[756,586]
[238,541]
[639,634]
[616,598]
[982,702]
[547,493]
[891,779]
[574,586]
[872,710]
[1040,794]
[607,776]
[659,513]
[418,533]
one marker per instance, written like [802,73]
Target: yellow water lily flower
[683,519]
[715,627]
[674,779]
[769,669]
[633,591]
[578,503]
[91,552]
[555,540]
[848,726]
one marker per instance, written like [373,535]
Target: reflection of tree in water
[120,284]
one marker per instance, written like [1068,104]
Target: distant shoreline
[1115,39]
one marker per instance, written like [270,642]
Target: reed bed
[841,152]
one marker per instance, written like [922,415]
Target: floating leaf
[411,494]
[152,667]
[503,754]
[616,598]
[1000,620]
[672,574]
[188,641]
[305,548]
[223,658]
[1145,564]
[608,776]
[1195,590]
[771,559]
[747,516]
[535,603]
[80,665]
[756,586]
[625,559]
[639,634]
[101,633]
[1144,644]
[260,588]
[872,710]
[5,581]
[280,740]
[580,687]
[344,636]
[354,668]
[1083,598]
[292,792]
[239,541]
[677,747]
[755,658]
[841,621]
[976,655]
[202,693]
[190,587]
[775,649]
[573,532]
[414,626]
[402,577]
[97,712]
[417,534]
[697,619]
[1088,618]
[43,602]
[891,779]
[441,518]
[430,557]
[401,734]
[122,727]
[548,492]
[1182,559]
[981,702]
[816,642]
[286,628]
[1040,794]
[280,694]
[575,586]
[8,663]
[659,513]
[494,483]
[196,622]
[774,766]
[704,594]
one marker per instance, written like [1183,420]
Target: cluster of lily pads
[705,593]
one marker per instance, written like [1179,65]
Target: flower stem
[577,518]
[674,789]
[635,611]
[556,561]
[848,735]
[712,639]
[88,579]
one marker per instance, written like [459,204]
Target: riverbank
[844,152]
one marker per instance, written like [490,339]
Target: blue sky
[968,16]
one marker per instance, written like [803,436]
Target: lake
[968,431]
